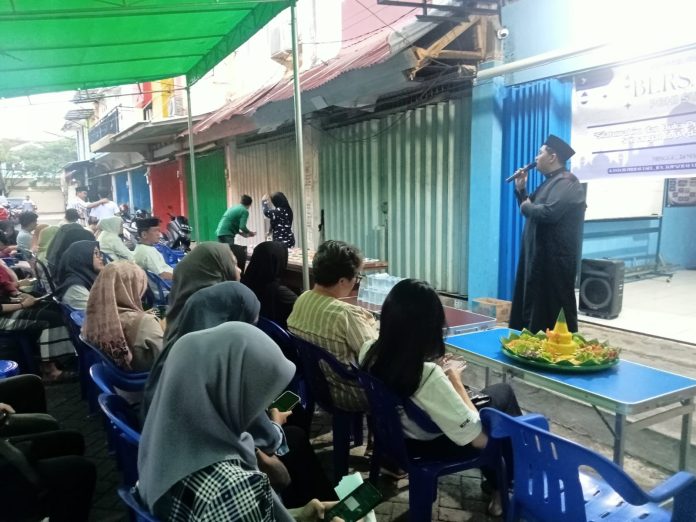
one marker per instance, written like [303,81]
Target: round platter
[554,367]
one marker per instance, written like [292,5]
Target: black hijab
[66,236]
[268,262]
[76,267]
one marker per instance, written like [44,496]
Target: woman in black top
[262,276]
[281,218]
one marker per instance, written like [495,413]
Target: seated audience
[39,319]
[208,307]
[10,233]
[6,247]
[35,237]
[205,265]
[27,222]
[115,321]
[227,375]
[110,241]
[145,254]
[46,235]
[66,236]
[79,267]
[23,403]
[268,262]
[71,216]
[321,317]
[45,475]
[405,357]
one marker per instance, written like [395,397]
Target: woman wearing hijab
[208,307]
[23,313]
[280,215]
[66,236]
[79,267]
[268,262]
[193,470]
[110,241]
[115,321]
[209,263]
[45,238]
[35,237]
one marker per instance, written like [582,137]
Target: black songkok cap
[562,149]
[145,224]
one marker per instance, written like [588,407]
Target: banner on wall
[636,120]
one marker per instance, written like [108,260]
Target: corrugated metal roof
[371,35]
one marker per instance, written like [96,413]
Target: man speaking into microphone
[551,243]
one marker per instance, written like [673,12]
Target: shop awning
[142,134]
[49,45]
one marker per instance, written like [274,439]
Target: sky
[35,118]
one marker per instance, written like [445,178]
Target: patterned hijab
[209,307]
[214,388]
[116,291]
[76,267]
[205,265]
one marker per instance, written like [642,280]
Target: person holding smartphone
[197,459]
[38,319]
[405,357]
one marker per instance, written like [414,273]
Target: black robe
[551,247]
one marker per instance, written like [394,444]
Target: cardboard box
[492,307]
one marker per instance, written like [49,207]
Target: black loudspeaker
[601,287]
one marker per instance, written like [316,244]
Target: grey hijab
[208,307]
[215,385]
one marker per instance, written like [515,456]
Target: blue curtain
[531,112]
[141,190]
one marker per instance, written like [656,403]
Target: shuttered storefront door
[212,193]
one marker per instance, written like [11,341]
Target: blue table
[626,389]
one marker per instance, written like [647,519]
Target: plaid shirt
[224,491]
[341,329]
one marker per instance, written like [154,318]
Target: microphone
[517,173]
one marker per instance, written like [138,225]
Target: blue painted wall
[121,195]
[678,244]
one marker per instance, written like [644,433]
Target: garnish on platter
[560,349]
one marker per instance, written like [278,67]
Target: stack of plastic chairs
[8,369]
[171,257]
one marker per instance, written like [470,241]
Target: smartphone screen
[357,504]
[286,402]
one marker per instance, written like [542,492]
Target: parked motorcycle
[130,228]
[178,234]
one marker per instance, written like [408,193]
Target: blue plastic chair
[171,257]
[108,381]
[389,440]
[282,338]
[549,485]
[131,498]
[27,348]
[135,380]
[125,429]
[344,423]
[8,369]
[163,288]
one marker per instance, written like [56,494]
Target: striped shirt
[341,329]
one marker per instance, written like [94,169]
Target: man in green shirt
[234,222]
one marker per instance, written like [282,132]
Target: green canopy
[58,45]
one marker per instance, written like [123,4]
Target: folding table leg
[687,421]
[619,438]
